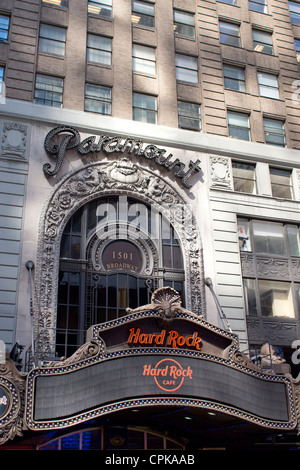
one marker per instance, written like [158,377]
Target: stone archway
[92,181]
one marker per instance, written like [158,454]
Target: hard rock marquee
[162,354]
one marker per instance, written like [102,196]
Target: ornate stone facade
[103,179]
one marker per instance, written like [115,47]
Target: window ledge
[141,74]
[147,28]
[48,54]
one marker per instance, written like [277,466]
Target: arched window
[114,252]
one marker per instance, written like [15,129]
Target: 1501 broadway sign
[70,139]
[158,355]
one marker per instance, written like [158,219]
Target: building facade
[147,146]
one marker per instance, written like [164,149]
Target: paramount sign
[70,139]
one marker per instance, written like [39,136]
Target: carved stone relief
[14,140]
[272,267]
[102,179]
[220,172]
[275,331]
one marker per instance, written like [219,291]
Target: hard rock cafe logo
[168,374]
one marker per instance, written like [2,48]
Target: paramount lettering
[171,339]
[71,139]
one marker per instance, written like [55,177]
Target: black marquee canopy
[158,356]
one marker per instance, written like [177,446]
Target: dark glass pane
[65,250]
[101,291]
[122,291]
[154,442]
[75,247]
[135,439]
[74,288]
[167,256]
[101,315]
[143,292]
[133,293]
[112,291]
[177,258]
[62,316]
[73,318]
[111,314]
[63,288]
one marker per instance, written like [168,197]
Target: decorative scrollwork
[11,423]
[70,140]
[103,179]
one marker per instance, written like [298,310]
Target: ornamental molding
[93,181]
[220,172]
[277,330]
[267,267]
[14,383]
[14,140]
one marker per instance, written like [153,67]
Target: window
[250,297]
[58,3]
[262,41]
[293,240]
[52,39]
[281,183]
[297,47]
[268,85]
[268,237]
[238,125]
[189,116]
[258,5]
[184,24]
[229,34]
[186,68]
[143,59]
[294,12]
[270,289]
[229,2]
[144,108]
[274,298]
[100,7]
[274,132]
[234,77]
[143,13]
[98,99]
[99,49]
[48,90]
[97,439]
[244,177]
[4,27]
